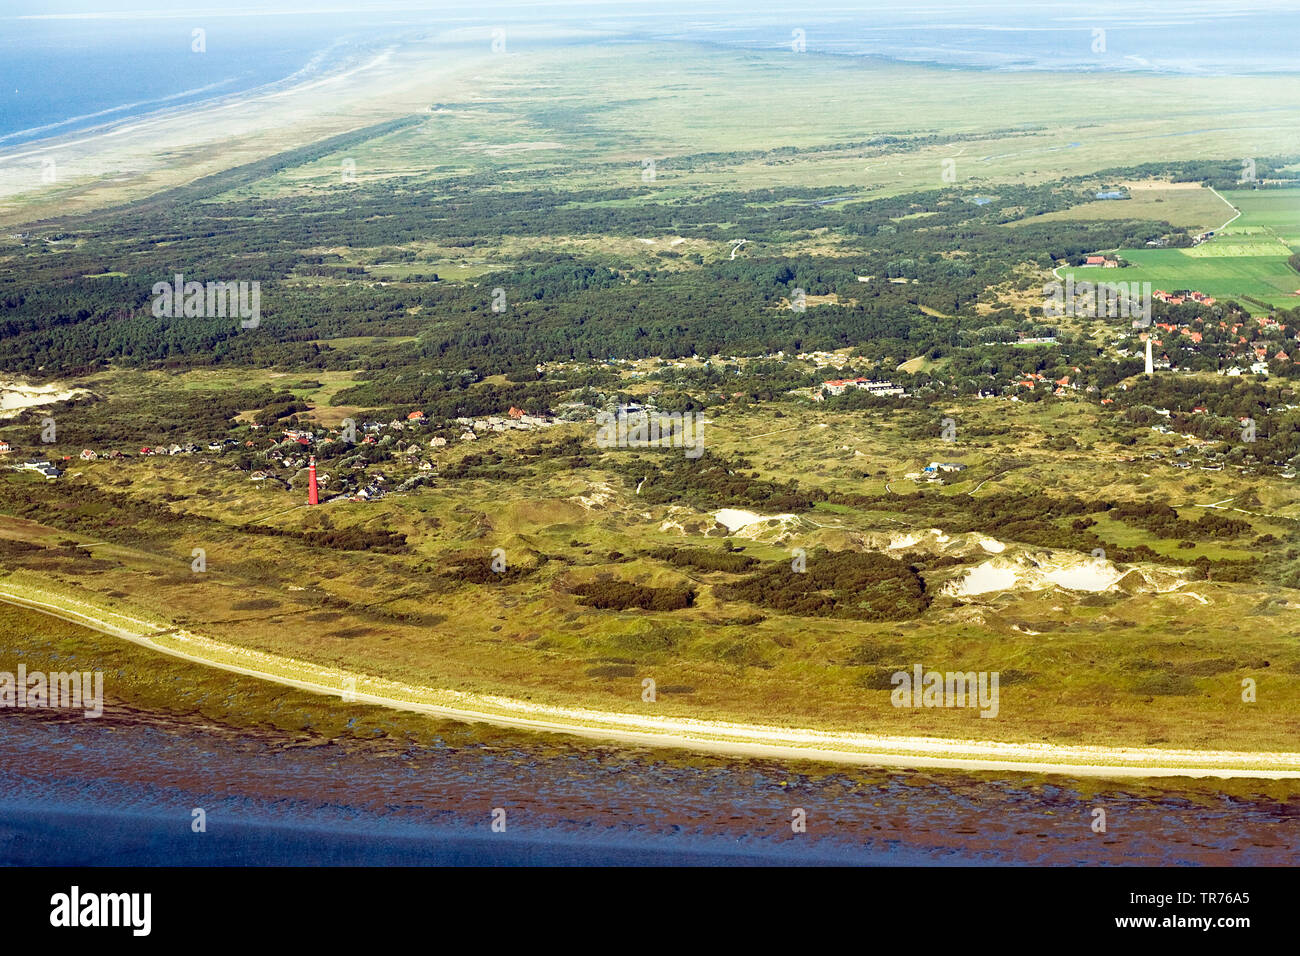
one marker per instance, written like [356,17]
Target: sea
[138,789]
[71,65]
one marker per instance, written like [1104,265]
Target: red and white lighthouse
[312,498]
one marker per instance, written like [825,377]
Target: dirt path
[710,736]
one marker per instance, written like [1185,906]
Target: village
[1241,347]
[409,447]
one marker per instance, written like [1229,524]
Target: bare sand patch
[16,397]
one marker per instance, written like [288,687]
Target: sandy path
[749,740]
[1230,206]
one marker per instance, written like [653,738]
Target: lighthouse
[312,498]
[1151,366]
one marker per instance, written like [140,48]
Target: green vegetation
[865,587]
[469,311]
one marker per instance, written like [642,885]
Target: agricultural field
[1185,205]
[1248,257]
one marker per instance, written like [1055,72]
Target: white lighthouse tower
[1151,365]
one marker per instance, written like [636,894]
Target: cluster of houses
[173,449]
[291,451]
[90,454]
[1249,354]
[1058,386]
[838,386]
[823,359]
[1171,298]
[1209,453]
[515,420]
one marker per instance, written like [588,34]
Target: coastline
[123,787]
[137,156]
[703,736]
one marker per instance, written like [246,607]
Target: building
[838,386]
[43,467]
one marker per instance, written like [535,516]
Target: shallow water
[67,73]
[122,791]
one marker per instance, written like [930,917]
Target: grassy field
[1247,258]
[1184,205]
[604,115]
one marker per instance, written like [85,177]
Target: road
[709,736]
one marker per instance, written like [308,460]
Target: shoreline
[119,162]
[35,145]
[705,736]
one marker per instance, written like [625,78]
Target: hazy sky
[960,9]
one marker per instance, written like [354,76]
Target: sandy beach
[139,156]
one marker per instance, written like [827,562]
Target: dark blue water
[60,74]
[122,792]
